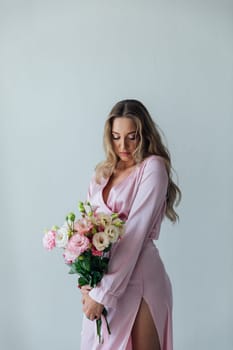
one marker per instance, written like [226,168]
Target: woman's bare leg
[144,334]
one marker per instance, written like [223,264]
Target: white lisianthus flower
[112,232]
[100,241]
[103,219]
[62,236]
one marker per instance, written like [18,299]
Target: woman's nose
[123,144]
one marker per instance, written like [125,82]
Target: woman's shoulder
[154,163]
[154,170]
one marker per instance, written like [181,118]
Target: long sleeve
[147,208]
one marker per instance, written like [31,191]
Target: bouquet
[86,244]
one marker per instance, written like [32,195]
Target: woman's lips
[124,153]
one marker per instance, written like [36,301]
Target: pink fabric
[135,270]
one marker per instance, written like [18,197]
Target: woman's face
[125,138]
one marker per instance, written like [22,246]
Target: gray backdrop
[63,64]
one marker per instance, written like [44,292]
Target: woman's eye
[129,137]
[132,137]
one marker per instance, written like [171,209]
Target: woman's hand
[91,308]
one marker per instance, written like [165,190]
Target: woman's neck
[125,165]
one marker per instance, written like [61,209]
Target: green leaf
[96,278]
[82,281]
[79,268]
[73,269]
[108,248]
[86,265]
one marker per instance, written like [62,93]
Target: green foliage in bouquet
[90,268]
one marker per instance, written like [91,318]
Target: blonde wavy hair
[150,142]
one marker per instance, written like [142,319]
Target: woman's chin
[127,159]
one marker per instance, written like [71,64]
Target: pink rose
[83,226]
[49,240]
[76,246]
[69,257]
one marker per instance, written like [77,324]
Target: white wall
[63,64]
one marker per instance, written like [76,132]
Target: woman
[135,181]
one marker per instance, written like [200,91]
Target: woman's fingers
[91,308]
[86,287]
[92,317]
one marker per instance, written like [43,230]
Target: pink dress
[135,269]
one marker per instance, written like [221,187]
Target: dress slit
[159,335]
[155,325]
[164,330]
[129,343]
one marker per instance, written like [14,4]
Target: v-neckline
[116,185]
